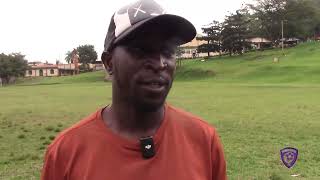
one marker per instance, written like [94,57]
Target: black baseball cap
[145,14]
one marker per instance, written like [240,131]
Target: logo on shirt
[289,156]
[148,146]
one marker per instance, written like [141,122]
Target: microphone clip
[147,147]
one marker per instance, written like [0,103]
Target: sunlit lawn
[254,122]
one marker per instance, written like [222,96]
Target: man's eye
[136,51]
[168,53]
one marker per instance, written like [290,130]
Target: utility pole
[282,40]
[282,35]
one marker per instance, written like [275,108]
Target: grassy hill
[299,65]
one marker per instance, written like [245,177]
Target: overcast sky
[44,30]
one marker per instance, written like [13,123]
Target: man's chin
[149,107]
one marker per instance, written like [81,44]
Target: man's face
[143,71]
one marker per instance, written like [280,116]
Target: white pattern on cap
[122,22]
[132,16]
[138,10]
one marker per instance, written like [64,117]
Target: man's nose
[156,62]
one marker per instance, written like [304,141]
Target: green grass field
[257,106]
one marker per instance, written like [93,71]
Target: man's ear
[106,58]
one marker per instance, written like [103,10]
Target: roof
[97,62]
[45,66]
[259,40]
[289,39]
[194,42]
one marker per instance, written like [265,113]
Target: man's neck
[128,122]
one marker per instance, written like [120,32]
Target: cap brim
[172,25]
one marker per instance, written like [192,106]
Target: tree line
[12,66]
[15,65]
[264,18]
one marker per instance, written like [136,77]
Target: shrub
[34,157]
[22,157]
[46,143]
[21,136]
[49,128]
[51,137]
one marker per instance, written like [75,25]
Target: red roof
[45,66]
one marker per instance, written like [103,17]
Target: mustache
[160,79]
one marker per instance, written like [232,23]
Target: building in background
[37,69]
[42,69]
[260,43]
[68,69]
[189,50]
[97,66]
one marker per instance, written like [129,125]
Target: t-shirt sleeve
[218,161]
[53,169]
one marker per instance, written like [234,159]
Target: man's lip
[158,81]
[157,88]
[155,85]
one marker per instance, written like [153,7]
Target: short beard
[148,108]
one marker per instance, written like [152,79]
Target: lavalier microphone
[147,147]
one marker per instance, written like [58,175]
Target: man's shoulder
[189,120]
[185,115]
[77,131]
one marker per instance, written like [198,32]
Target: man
[139,136]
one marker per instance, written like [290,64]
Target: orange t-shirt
[186,147]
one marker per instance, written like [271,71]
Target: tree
[12,65]
[301,19]
[179,52]
[269,14]
[206,48]
[213,37]
[235,33]
[87,54]
[68,57]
